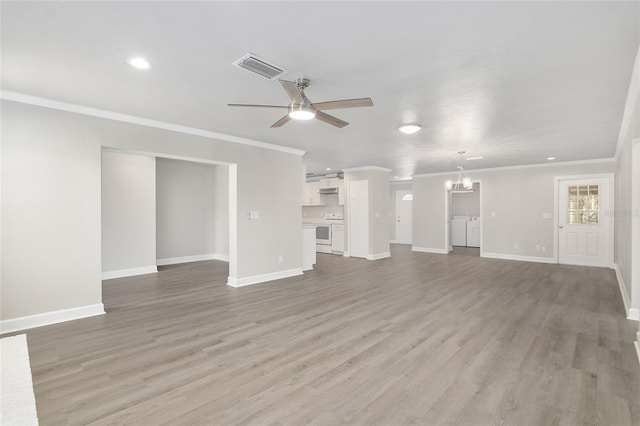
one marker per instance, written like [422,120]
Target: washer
[473,232]
[459,230]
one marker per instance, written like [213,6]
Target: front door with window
[583,221]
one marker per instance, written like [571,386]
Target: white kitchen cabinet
[329,183]
[337,238]
[341,192]
[312,194]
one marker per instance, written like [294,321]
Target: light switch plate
[254,214]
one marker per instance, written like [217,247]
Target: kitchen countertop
[322,222]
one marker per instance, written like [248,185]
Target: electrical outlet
[280,259]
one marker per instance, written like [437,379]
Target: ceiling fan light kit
[410,129]
[301,108]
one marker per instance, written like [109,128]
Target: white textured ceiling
[513,81]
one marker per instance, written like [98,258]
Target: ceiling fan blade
[282,121]
[330,119]
[258,106]
[345,103]
[292,90]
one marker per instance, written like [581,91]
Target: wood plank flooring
[417,338]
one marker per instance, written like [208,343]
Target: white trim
[631,313]
[53,317]
[346,254]
[132,119]
[611,207]
[632,97]
[525,166]
[392,242]
[365,168]
[637,345]
[401,182]
[518,257]
[196,258]
[378,256]
[108,275]
[255,279]
[429,250]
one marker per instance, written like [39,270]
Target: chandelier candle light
[463,184]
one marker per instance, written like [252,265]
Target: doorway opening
[161,210]
[463,221]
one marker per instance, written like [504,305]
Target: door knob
[560,226]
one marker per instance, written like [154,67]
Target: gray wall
[378,207]
[128,211]
[467,203]
[192,209]
[518,197]
[628,217]
[51,206]
[393,188]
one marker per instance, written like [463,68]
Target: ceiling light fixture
[551,158]
[409,128]
[463,183]
[328,168]
[139,63]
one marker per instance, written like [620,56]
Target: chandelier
[463,184]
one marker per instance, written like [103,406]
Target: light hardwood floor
[417,338]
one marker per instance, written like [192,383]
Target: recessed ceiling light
[328,168]
[551,158]
[139,62]
[396,177]
[479,157]
[409,128]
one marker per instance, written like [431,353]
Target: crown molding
[526,166]
[132,119]
[366,168]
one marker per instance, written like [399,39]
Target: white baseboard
[518,257]
[48,318]
[108,275]
[346,254]
[429,250]
[255,279]
[378,256]
[632,313]
[392,241]
[196,258]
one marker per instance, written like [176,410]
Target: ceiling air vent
[260,66]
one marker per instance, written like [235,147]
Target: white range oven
[324,238]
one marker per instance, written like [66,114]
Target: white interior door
[359,218]
[404,216]
[583,221]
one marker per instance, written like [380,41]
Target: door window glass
[583,205]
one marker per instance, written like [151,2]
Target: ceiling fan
[301,108]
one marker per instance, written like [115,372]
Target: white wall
[518,196]
[192,209]
[128,213]
[466,203]
[51,168]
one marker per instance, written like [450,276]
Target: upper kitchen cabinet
[341,192]
[329,183]
[312,194]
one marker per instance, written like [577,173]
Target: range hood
[328,190]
